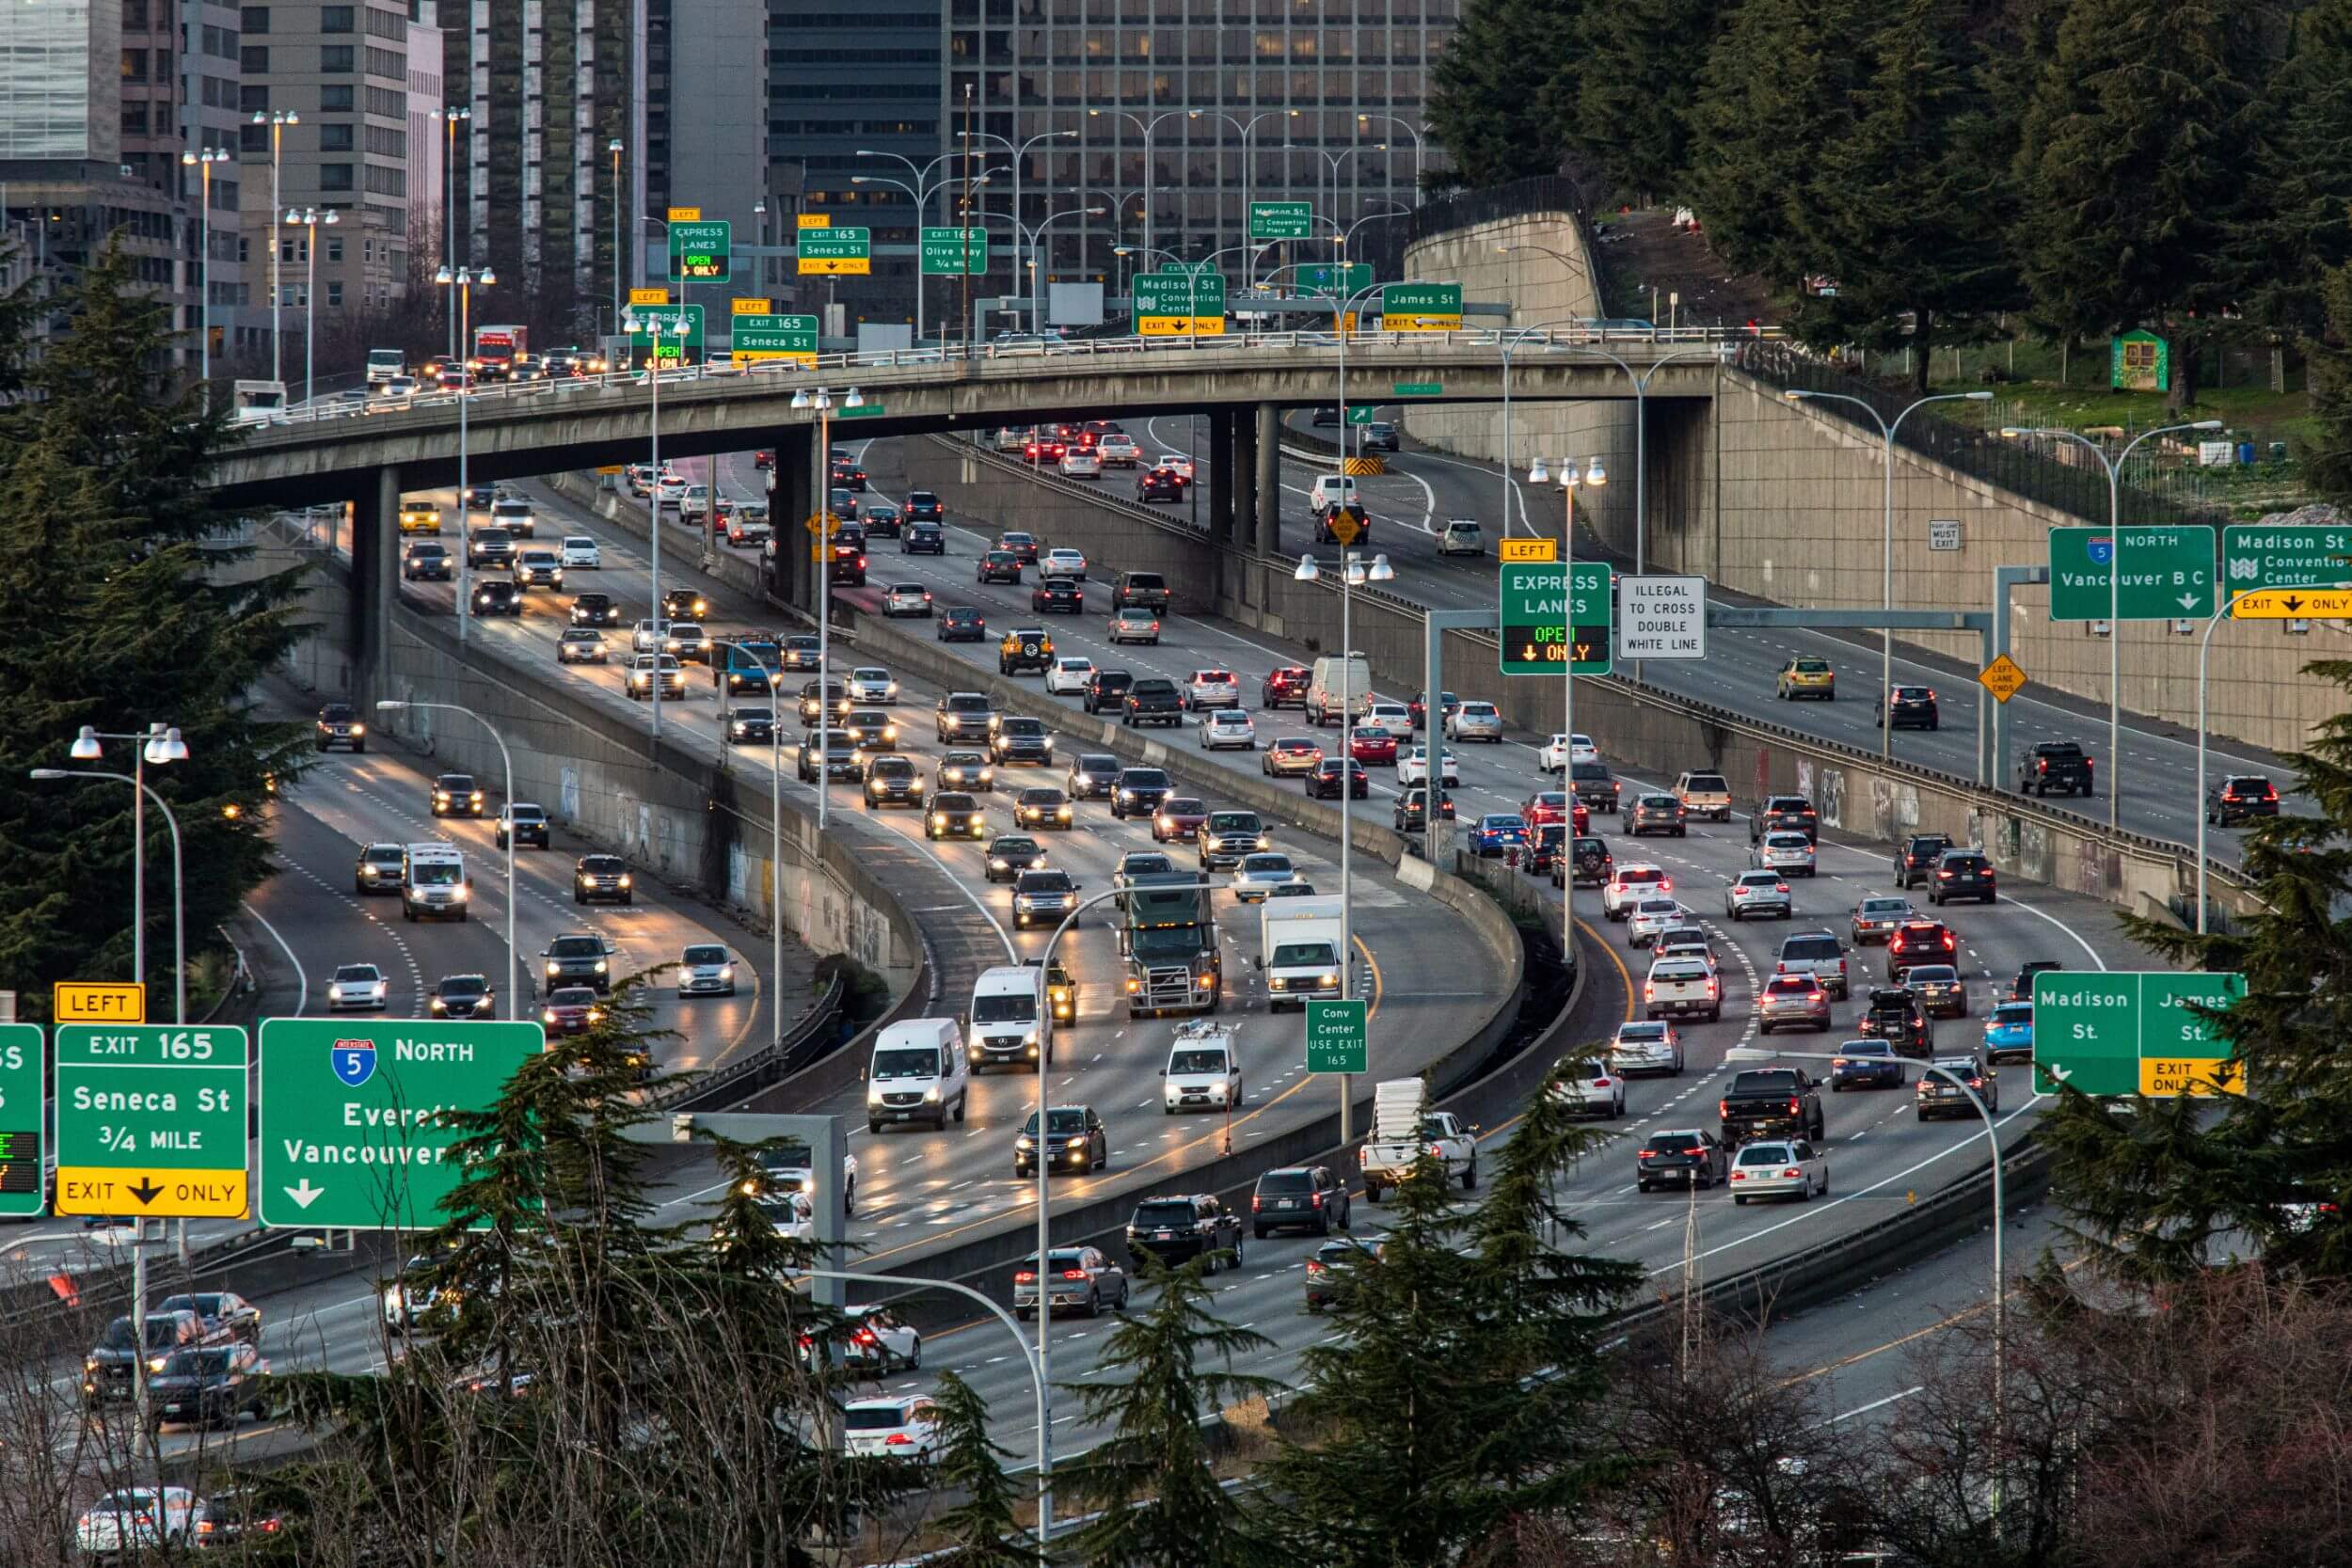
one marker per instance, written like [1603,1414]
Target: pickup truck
[1154,701]
[1770,1102]
[1404,1130]
[1682,988]
[2050,765]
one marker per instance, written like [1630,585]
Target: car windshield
[1022,727]
[2013,1014]
[1061,1119]
[572,996]
[1932,975]
[1008,1007]
[197,1363]
[1265,865]
[1653,908]
[1137,866]
[355,971]
[458,986]
[890,768]
[577,947]
[971,701]
[1184,1062]
[1758,879]
[1766,1154]
[1044,881]
[1885,907]
[906,1062]
[705,954]
[1809,948]
[1040,798]
[1182,805]
[1143,778]
[874,1418]
[1163,1212]
[1232,822]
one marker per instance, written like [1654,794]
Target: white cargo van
[917,1074]
[513,513]
[1330,490]
[1009,1025]
[1299,941]
[432,883]
[1325,696]
[384,364]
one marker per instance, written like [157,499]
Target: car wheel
[1739,1200]
[1260,1231]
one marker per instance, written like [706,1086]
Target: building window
[334,295]
[254,19]
[253,138]
[253,60]
[334,248]
[252,100]
[336,57]
[334,177]
[135,65]
[335,19]
[334,138]
[135,120]
[335,99]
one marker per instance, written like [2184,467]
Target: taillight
[1314,1267]
[1794,1107]
[1318,1200]
[1780,887]
[896,1439]
[1649,991]
[1024,1277]
[1074,1273]
[1739,1176]
[1255,1203]
[1792,1171]
[1945,874]
[1723,1107]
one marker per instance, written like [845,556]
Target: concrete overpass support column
[795,501]
[374,571]
[1221,485]
[1269,480]
[1245,481]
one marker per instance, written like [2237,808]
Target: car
[1011,854]
[1876,915]
[583,645]
[1373,746]
[1082,1278]
[1023,545]
[954,813]
[1906,707]
[1589,863]
[1395,718]
[924,506]
[1285,686]
[1633,880]
[489,547]
[922,539]
[1705,793]
[1412,767]
[1546,805]
[2008,1033]
[646,668]
[1919,941]
[497,599]
[339,725]
[843,502]
[454,795]
[1648,917]
[1208,689]
[1793,999]
[1790,854]
[871,729]
[1379,435]
[1864,1064]
[1963,873]
[1179,819]
[871,684]
[998,566]
[1681,1158]
[1758,892]
[233,1515]
[1063,563]
[1915,862]
[1024,651]
[1646,1045]
[1561,750]
[1077,463]
[596,609]
[1792,814]
[892,780]
[1655,814]
[1495,832]
[1298,1197]
[1044,449]
[1203,1074]
[1043,898]
[1041,806]
[1220,729]
[380,869]
[883,519]
[1290,757]
[136,1522]
[420,516]
[647,636]
[602,880]
[523,821]
[1135,625]
[906,598]
[1894,1014]
[896,1426]
[1139,792]
[1076,1141]
[1808,677]
[356,988]
[462,996]
[1159,483]
[1940,991]
[960,623]
[1585,1083]
[2020,987]
[689,641]
[1775,1167]
[1475,721]
[1323,780]
[802,652]
[1417,710]
[1069,674]
[2059,765]
[1178,462]
[571,1010]
[1690,942]
[579,958]
[425,562]
[1260,874]
[2240,797]
[540,568]
[847,475]
[1106,690]
[578,551]
[1022,741]
[683,604]
[1118,450]
[968,770]
[1938,1096]
[828,699]
[1410,813]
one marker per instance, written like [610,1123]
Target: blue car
[1865,1065]
[2008,1033]
[1498,832]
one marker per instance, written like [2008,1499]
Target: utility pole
[964,220]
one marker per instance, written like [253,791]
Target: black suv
[578,959]
[1675,1160]
[601,878]
[1106,691]
[1176,1230]
[1141,590]
[683,604]
[1093,776]
[498,598]
[1962,874]
[1785,814]
[1065,595]
[339,725]
[1914,708]
[924,507]
[922,539]
[1022,740]
[960,623]
[1915,862]
[108,1370]
[998,566]
[1139,792]
[463,996]
[1896,1015]
[2233,801]
[1159,484]
[1300,1197]
[454,795]
[595,610]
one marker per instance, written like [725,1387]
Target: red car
[1549,805]
[1374,747]
[571,1010]
[1179,817]
[1045,449]
[1286,686]
[763,460]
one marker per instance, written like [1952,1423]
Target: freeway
[919,1188]
[1423,489]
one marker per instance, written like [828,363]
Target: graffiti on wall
[1832,803]
[567,793]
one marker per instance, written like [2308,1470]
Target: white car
[1395,718]
[1632,883]
[670,489]
[1780,1167]
[135,1521]
[905,1426]
[356,987]
[1789,853]
[882,1339]
[1069,675]
[872,684]
[1412,767]
[706,969]
[906,598]
[1063,563]
[694,502]
[1754,893]
[1201,1075]
[1077,463]
[1227,726]
[1475,721]
[1652,1045]
[1561,749]
[1212,689]
[647,636]
[801,1179]
[1118,452]
[1590,1085]
[1650,916]
[1462,536]
[581,551]
[1178,461]
[1259,874]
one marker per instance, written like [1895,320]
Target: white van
[1462,536]
[433,883]
[917,1074]
[1324,691]
[1330,490]
[513,513]
[1009,1025]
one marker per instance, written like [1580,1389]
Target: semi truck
[1167,937]
[495,351]
[1301,945]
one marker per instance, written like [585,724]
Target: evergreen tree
[2159,1189]
[2301,227]
[985,1525]
[2327,360]
[2140,171]
[1633,87]
[1496,94]
[1159,1501]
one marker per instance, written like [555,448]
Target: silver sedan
[1779,1168]
[1788,853]
[1757,893]
[1787,1000]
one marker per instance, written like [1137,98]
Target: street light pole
[821,400]
[1410,130]
[463,280]
[514,982]
[1037,272]
[202,162]
[276,120]
[158,743]
[1570,477]
[614,147]
[309,219]
[654,326]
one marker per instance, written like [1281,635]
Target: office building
[428,156]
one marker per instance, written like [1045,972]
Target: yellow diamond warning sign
[2004,677]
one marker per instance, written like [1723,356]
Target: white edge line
[302,1004]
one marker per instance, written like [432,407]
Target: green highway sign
[954,252]
[1325,278]
[1337,1037]
[1359,413]
[1419,388]
[835,252]
[1176,303]
[1535,635]
[24,1124]
[2167,572]
[758,337]
[351,1132]
[2260,555]
[674,350]
[1281,220]
[1420,307]
[699,252]
[862,411]
[150,1121]
[2117,1032]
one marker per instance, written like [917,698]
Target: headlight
[90,1365]
[892,688]
[726,971]
[624,878]
[939,819]
[996,862]
[1265,841]
[477,797]
[437,1005]
[1327,980]
[1025,1141]
[359,729]
[155,1363]
[460,895]
[1126,794]
[1029,1038]
[1063,813]
[931,1096]
[554,969]
[600,966]
[548,1015]
[1278,983]
[873,1094]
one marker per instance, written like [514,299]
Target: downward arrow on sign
[305,1194]
[2188,601]
[146,1192]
